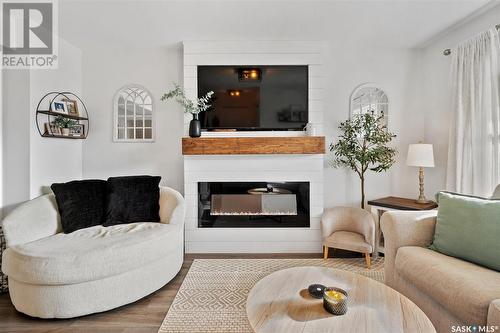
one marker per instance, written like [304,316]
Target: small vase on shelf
[65,131]
[195,127]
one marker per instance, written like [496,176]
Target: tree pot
[65,131]
[195,127]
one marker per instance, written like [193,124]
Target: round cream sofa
[57,275]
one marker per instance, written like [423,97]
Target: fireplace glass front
[253,204]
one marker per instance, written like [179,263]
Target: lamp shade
[420,155]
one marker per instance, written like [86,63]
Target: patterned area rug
[213,295]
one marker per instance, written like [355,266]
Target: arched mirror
[134,117]
[369,97]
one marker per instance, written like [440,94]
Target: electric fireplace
[253,204]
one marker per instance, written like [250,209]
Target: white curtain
[473,153]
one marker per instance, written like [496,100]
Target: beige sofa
[449,290]
[58,275]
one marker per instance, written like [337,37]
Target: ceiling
[373,23]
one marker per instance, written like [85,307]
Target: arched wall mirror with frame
[134,118]
[370,97]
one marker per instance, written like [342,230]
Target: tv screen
[254,97]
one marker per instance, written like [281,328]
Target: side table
[379,206]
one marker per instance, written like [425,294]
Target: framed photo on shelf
[71,107]
[58,107]
[51,129]
[78,130]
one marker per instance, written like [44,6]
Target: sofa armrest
[494,313]
[171,206]
[32,220]
[405,228]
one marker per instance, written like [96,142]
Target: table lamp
[420,155]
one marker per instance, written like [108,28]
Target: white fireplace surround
[248,168]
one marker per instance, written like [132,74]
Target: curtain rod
[447,52]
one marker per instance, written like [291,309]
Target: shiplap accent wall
[256,53]
[253,168]
[246,168]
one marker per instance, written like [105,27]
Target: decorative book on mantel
[62,115]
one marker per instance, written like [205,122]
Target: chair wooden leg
[368,260]
[325,252]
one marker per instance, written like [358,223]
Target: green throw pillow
[468,228]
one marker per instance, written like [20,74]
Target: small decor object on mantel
[193,107]
[363,145]
[311,129]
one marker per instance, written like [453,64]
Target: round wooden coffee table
[280,303]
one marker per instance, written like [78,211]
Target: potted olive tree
[363,145]
[65,124]
[194,107]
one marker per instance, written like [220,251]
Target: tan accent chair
[348,228]
[451,291]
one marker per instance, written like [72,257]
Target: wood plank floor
[143,316]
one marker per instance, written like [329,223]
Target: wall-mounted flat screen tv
[251,98]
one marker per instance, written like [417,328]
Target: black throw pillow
[81,203]
[133,199]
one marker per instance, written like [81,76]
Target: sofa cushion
[91,254]
[81,203]
[133,199]
[463,288]
[469,228]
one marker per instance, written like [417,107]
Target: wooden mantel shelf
[253,145]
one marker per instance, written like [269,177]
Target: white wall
[54,160]
[105,71]
[151,55]
[31,162]
[395,70]
[16,125]
[107,67]
[435,96]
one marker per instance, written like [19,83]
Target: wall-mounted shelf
[45,116]
[62,136]
[55,114]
